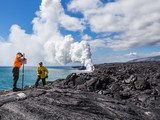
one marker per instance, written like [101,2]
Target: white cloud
[67,51]
[112,59]
[71,23]
[136,21]
[103,35]
[132,54]
[46,42]
[86,37]
[52,14]
[2,39]
[97,43]
[80,52]
[149,54]
[83,5]
[123,58]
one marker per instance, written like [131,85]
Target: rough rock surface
[119,91]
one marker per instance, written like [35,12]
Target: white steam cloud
[66,51]
[46,42]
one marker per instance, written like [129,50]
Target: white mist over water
[46,43]
[68,51]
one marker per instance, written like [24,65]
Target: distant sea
[30,75]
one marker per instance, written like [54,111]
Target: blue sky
[116,30]
[17,12]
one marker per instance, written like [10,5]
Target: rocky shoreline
[115,91]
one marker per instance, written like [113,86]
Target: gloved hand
[46,76]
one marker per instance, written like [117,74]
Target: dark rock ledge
[121,91]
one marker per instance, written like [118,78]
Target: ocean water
[30,75]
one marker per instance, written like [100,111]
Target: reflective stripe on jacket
[43,72]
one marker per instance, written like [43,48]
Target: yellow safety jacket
[41,71]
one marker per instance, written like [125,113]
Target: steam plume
[46,42]
[67,51]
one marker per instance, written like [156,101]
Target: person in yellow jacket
[42,73]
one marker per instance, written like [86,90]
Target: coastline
[30,75]
[112,91]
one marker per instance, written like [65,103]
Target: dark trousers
[15,72]
[38,79]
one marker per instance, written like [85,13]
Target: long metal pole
[22,76]
[23,72]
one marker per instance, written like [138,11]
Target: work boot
[16,89]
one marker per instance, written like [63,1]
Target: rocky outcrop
[119,91]
[126,81]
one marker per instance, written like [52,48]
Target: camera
[24,59]
[39,71]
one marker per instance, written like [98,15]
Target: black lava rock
[114,91]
